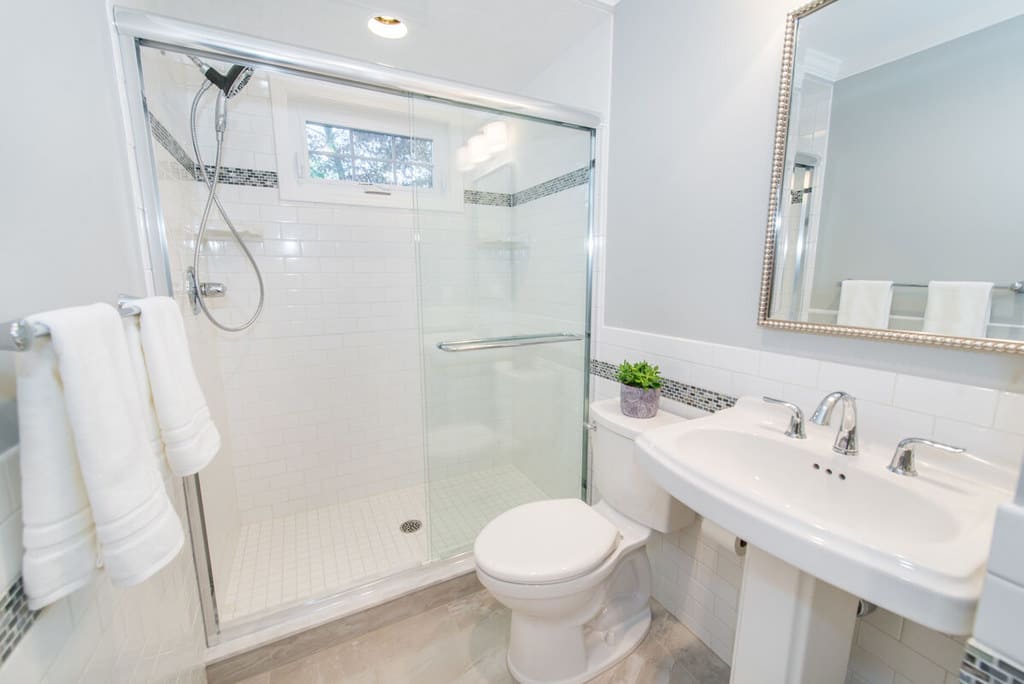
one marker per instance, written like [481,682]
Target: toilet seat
[545,542]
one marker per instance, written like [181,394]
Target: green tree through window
[351,154]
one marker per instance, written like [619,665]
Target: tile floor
[464,642]
[284,560]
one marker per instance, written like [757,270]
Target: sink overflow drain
[410,526]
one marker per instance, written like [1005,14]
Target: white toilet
[576,577]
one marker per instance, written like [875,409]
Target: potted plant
[640,389]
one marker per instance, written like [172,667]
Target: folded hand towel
[190,438]
[91,494]
[865,303]
[962,309]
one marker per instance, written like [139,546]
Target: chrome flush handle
[903,462]
[796,421]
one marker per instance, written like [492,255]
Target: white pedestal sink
[824,530]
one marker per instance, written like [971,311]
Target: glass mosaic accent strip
[982,666]
[492,199]
[15,618]
[233,175]
[691,395]
[167,141]
[566,181]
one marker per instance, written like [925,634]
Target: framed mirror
[897,190]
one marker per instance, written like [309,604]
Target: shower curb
[289,649]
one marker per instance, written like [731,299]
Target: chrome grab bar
[508,341]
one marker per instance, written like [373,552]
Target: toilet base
[603,650]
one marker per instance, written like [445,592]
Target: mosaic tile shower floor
[281,561]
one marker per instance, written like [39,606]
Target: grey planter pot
[639,403]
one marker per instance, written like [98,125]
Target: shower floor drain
[410,526]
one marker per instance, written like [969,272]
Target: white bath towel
[865,303]
[92,496]
[189,436]
[141,377]
[955,308]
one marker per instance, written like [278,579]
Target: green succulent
[640,374]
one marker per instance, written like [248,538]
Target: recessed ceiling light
[387,27]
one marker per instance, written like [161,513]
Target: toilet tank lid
[607,413]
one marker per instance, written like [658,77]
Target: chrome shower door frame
[134,29]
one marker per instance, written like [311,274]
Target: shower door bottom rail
[508,341]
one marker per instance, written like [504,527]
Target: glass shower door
[503,283]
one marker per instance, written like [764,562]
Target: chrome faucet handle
[846,437]
[903,462]
[796,421]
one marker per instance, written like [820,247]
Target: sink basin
[916,546]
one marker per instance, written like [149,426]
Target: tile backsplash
[699,581]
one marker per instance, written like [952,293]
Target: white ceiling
[863,34]
[502,45]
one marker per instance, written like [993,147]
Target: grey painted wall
[923,180]
[68,227]
[692,118]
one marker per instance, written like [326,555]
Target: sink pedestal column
[793,628]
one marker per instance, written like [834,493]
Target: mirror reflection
[902,203]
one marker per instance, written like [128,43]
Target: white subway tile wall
[149,633]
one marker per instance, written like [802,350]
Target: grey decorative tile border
[982,666]
[234,175]
[566,181]
[256,178]
[15,618]
[168,142]
[492,199]
[691,395]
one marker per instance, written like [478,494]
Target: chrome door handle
[507,341]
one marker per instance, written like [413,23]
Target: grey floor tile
[464,642]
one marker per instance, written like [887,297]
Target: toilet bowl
[575,577]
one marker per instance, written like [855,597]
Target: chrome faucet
[796,421]
[903,460]
[846,437]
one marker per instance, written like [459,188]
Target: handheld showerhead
[230,83]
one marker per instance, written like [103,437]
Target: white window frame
[293,104]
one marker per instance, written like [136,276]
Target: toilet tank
[619,480]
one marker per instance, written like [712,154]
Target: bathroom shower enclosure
[421,361]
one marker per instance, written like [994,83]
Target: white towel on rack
[189,436]
[865,303]
[92,496]
[141,377]
[962,309]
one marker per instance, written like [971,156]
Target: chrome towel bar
[1016,287]
[21,333]
[508,341]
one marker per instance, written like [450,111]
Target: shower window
[341,153]
[364,149]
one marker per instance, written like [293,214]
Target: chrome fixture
[903,462]
[796,421]
[1016,287]
[865,607]
[193,290]
[846,437]
[22,333]
[507,341]
[229,85]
